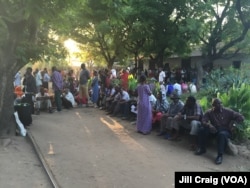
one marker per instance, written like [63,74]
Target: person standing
[95,88]
[124,79]
[57,84]
[162,75]
[217,121]
[17,79]
[39,79]
[192,88]
[83,83]
[46,78]
[144,109]
[30,88]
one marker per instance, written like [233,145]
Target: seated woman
[160,107]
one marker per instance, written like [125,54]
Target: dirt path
[86,148]
[19,166]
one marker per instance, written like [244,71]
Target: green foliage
[157,88]
[237,99]
[116,82]
[221,29]
[232,87]
[242,132]
[132,83]
[220,81]
[205,104]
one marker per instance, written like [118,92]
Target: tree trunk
[110,64]
[8,68]
[199,70]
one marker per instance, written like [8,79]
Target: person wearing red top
[124,79]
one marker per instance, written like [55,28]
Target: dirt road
[86,148]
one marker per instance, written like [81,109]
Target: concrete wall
[176,62]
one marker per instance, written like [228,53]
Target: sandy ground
[86,148]
[19,166]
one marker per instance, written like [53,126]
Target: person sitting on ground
[68,100]
[113,100]
[122,105]
[218,121]
[174,108]
[189,118]
[108,96]
[132,102]
[43,101]
[160,107]
[18,95]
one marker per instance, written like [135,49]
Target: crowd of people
[150,108]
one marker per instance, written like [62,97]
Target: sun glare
[71,45]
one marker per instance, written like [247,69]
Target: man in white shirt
[122,105]
[152,100]
[192,88]
[17,79]
[68,100]
[162,75]
[177,88]
[113,74]
[43,101]
[39,78]
[163,90]
[46,78]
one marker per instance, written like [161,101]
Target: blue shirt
[57,81]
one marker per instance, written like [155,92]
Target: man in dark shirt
[217,120]
[188,118]
[83,88]
[30,89]
[57,83]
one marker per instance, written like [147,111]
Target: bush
[233,88]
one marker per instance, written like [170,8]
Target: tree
[219,28]
[24,38]
[96,25]
[230,28]
[116,29]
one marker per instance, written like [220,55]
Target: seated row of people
[216,121]
[187,116]
[43,101]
